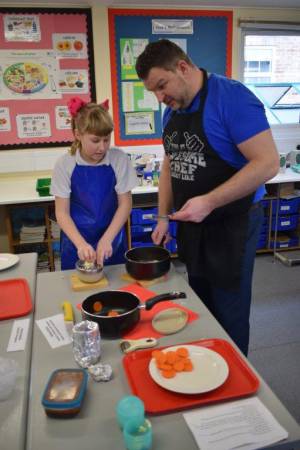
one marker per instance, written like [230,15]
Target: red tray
[15,298]
[241,381]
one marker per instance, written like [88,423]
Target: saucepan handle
[160,298]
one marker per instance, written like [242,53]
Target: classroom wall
[43,159]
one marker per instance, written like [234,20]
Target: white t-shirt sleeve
[61,176]
[124,171]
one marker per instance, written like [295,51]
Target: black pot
[147,263]
[126,304]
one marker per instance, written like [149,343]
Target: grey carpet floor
[275,328]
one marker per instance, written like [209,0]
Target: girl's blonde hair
[92,119]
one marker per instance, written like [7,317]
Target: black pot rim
[166,258]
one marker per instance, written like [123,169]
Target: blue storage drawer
[265,203]
[285,222]
[143,216]
[137,230]
[285,241]
[290,206]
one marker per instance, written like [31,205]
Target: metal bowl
[88,272]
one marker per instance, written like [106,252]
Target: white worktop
[20,188]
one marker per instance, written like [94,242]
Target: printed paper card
[70,45]
[33,125]
[22,28]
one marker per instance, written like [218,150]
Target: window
[271,68]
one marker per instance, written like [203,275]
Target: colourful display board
[46,57]
[206,36]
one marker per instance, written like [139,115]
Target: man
[219,151]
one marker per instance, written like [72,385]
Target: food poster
[28,75]
[62,118]
[70,45]
[130,49]
[4,120]
[38,78]
[139,123]
[33,125]
[136,98]
[73,81]
[22,28]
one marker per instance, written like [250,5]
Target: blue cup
[131,408]
[138,437]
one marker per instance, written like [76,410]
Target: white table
[13,411]
[96,427]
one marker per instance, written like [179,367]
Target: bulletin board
[206,36]
[46,57]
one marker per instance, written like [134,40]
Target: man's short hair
[163,54]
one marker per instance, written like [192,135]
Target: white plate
[8,260]
[210,371]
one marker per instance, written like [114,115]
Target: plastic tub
[43,186]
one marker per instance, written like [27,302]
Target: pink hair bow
[74,105]
[105,104]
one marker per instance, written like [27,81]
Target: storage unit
[141,226]
[30,228]
[281,218]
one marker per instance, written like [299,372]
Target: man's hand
[196,209]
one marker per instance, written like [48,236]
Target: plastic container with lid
[64,392]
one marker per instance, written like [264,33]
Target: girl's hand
[104,251]
[160,234]
[86,252]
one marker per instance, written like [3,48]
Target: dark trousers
[232,308]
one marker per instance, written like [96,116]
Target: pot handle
[159,298]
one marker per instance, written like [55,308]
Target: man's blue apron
[93,203]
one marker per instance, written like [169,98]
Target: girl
[92,188]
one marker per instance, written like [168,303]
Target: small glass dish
[88,271]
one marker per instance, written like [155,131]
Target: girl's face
[93,148]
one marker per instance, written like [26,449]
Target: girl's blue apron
[93,203]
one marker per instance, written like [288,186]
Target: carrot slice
[156,353]
[97,306]
[166,366]
[188,366]
[171,357]
[161,358]
[113,313]
[182,352]
[168,373]
[179,366]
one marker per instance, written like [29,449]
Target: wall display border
[136,24]
[60,138]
